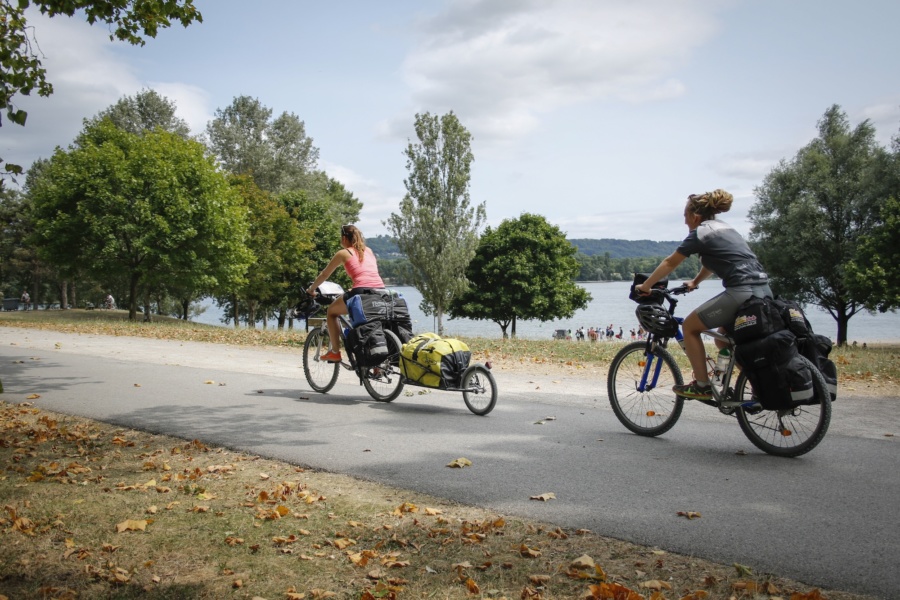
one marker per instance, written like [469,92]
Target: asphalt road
[827,519]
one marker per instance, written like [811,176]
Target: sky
[600,115]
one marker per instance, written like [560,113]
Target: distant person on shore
[723,252]
[26,299]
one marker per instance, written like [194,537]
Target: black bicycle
[642,374]
[383,381]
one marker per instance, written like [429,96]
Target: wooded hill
[384,247]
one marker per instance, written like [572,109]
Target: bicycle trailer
[432,361]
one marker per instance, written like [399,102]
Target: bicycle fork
[654,365]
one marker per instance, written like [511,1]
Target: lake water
[610,305]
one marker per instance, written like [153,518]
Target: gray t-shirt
[723,251]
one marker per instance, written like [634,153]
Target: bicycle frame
[343,324]
[650,377]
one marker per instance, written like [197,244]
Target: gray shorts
[719,310]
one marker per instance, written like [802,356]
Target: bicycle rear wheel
[320,375]
[479,389]
[384,382]
[654,410]
[786,433]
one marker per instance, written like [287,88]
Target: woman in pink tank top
[361,266]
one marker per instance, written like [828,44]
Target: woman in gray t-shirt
[724,253]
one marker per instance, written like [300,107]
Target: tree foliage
[21,70]
[143,112]
[436,227]
[277,153]
[280,247]
[525,269]
[814,213]
[875,272]
[143,208]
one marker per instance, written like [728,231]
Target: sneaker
[693,391]
[331,356]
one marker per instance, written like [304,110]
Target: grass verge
[95,511]
[878,364]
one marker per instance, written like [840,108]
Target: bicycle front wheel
[788,433]
[321,375]
[640,389]
[384,382]
[479,389]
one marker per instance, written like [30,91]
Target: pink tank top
[365,273]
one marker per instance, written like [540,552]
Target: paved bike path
[827,519]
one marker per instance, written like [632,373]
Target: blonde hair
[709,204]
[355,238]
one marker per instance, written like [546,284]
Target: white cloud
[500,65]
[753,168]
[86,77]
[378,202]
[885,117]
[192,103]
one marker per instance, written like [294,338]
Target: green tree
[21,70]
[875,272]
[142,208]
[280,246]
[277,153]
[813,213]
[145,111]
[436,227]
[525,269]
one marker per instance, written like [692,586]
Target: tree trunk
[185,304]
[282,317]
[842,321]
[63,295]
[234,303]
[514,327]
[147,306]
[251,314]
[132,298]
[440,322]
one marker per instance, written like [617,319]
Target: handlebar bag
[433,361]
[640,278]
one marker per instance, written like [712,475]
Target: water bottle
[722,362]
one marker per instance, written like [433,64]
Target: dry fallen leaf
[544,497]
[689,514]
[459,463]
[132,525]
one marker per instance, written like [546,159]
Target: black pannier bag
[400,322]
[793,317]
[382,305]
[817,348]
[755,319]
[780,378]
[814,347]
[368,344]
